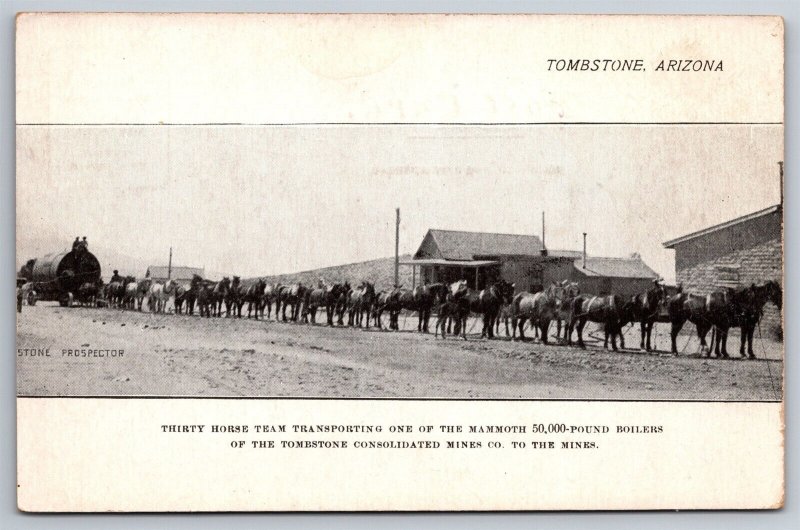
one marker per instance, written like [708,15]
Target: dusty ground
[168,355]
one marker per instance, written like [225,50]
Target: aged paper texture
[399,262]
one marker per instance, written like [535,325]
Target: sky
[257,200]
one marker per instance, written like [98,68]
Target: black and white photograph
[420,262]
[401,261]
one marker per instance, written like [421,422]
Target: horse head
[458,288]
[655,296]
[439,292]
[771,292]
[505,290]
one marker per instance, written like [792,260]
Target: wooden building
[480,258]
[159,273]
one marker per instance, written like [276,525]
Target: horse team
[453,304]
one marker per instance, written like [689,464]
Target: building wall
[428,248]
[755,264]
[601,285]
[529,272]
[723,242]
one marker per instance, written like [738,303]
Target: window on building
[726,275]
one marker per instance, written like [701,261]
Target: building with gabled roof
[483,257]
[160,273]
[739,252]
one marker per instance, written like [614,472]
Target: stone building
[736,253]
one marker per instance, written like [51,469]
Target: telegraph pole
[169,267]
[397,248]
[544,244]
[584,250]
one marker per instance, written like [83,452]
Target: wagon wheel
[66,299]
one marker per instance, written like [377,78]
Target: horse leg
[675,328]
[521,326]
[581,324]
[750,333]
[643,326]
[742,340]
[544,327]
[615,331]
[723,335]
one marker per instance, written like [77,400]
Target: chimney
[544,245]
[584,250]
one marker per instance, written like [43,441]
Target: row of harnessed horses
[454,303]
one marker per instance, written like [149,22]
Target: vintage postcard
[399,262]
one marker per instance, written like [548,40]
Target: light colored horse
[540,308]
[141,292]
[129,300]
[159,294]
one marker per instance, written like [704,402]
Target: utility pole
[584,250]
[397,248]
[169,267]
[544,245]
[780,173]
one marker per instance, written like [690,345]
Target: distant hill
[379,271]
[29,247]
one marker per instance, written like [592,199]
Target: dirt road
[168,355]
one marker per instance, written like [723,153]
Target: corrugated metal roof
[458,245]
[615,268]
[178,273]
[733,222]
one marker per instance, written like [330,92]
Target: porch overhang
[450,263]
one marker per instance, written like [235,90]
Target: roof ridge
[479,232]
[723,225]
[620,258]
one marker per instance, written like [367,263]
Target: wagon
[59,276]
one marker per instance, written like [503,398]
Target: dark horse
[326,296]
[646,309]
[234,298]
[360,303]
[486,302]
[254,296]
[88,293]
[692,307]
[180,294]
[290,295]
[342,303]
[219,294]
[387,300]
[740,308]
[425,297]
[203,291]
[606,310]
